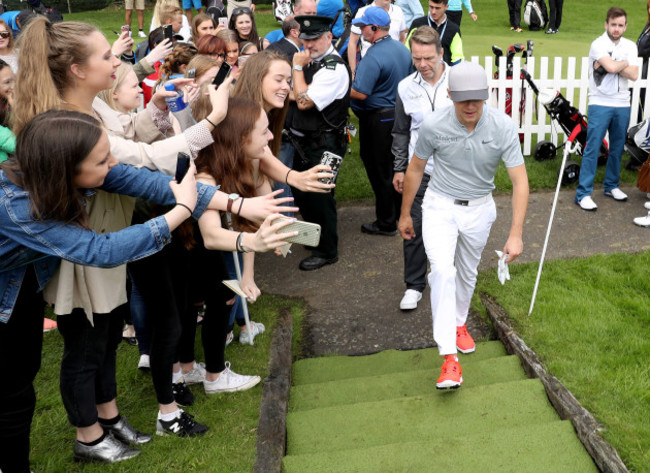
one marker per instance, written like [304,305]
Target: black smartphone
[224,70]
[167,32]
[182,165]
[333,161]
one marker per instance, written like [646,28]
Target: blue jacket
[24,240]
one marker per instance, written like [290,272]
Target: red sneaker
[49,324]
[451,375]
[464,341]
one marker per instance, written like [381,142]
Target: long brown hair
[46,52]
[249,85]
[49,151]
[196,21]
[253,36]
[225,159]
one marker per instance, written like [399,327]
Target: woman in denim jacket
[43,220]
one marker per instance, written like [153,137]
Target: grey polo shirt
[465,163]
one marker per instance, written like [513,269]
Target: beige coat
[100,290]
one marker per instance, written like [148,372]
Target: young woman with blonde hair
[7,52]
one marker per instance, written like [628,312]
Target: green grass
[229,446]
[591,328]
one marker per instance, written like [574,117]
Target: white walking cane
[235,257]
[243,299]
[569,147]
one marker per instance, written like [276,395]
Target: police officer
[321,87]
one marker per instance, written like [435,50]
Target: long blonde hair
[107,94]
[46,52]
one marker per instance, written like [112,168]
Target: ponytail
[46,52]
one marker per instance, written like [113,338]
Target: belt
[473,202]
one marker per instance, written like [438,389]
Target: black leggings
[21,339]
[162,281]
[88,364]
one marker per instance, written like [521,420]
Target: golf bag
[637,145]
[216,9]
[535,14]
[52,14]
[282,9]
[572,122]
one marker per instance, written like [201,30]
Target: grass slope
[591,328]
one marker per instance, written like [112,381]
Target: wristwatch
[297,67]
[231,199]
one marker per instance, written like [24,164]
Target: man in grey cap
[321,87]
[466,142]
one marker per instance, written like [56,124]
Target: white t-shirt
[397,25]
[328,85]
[610,90]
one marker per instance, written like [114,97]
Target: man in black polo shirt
[449,32]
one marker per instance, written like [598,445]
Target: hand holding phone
[334,162]
[223,72]
[182,165]
[308,233]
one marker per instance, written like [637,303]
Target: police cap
[313,26]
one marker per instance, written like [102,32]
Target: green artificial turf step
[331,368]
[402,384]
[543,448]
[484,408]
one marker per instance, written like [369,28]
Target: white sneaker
[229,382]
[587,203]
[141,34]
[256,328]
[643,221]
[196,375]
[229,338]
[616,194]
[647,205]
[144,364]
[410,299]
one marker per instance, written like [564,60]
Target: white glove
[502,269]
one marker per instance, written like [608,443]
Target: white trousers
[454,237]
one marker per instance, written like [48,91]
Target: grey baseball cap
[467,81]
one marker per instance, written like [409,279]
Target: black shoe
[131,341]
[182,395]
[109,450]
[183,425]
[373,229]
[124,432]
[314,262]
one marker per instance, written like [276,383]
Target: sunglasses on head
[4,34]
[240,10]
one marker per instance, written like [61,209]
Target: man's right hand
[398,182]
[405,227]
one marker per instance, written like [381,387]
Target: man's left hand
[514,247]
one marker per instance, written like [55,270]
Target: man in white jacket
[418,95]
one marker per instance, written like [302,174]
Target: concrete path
[354,304]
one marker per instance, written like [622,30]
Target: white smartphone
[308,233]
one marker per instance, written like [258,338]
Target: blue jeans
[601,119]
[139,319]
[237,311]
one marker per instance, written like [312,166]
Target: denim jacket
[24,240]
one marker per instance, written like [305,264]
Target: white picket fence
[570,81]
